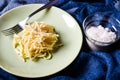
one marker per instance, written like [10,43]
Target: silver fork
[19,27]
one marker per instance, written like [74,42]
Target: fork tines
[13,30]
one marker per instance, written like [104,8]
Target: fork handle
[49,4]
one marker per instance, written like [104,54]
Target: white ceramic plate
[65,25]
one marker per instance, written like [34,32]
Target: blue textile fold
[90,64]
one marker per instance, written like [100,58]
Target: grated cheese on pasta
[38,41]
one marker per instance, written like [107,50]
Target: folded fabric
[89,65]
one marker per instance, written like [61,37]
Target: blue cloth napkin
[90,64]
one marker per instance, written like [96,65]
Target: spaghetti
[38,41]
